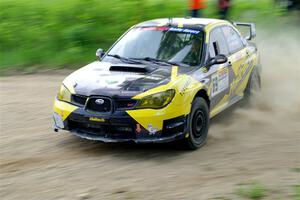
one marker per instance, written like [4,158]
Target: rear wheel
[253,86]
[198,123]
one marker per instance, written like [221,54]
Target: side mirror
[219,59]
[100,53]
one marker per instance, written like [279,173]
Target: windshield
[177,45]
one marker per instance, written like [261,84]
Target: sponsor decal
[151,129]
[242,73]
[184,30]
[174,29]
[158,28]
[220,81]
[96,119]
[185,86]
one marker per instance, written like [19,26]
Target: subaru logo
[99,101]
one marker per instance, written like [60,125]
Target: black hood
[103,78]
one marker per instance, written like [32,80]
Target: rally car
[161,81]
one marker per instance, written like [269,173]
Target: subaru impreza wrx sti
[161,81]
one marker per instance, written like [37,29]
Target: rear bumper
[116,127]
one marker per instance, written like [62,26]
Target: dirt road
[260,143]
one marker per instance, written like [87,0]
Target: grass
[253,191]
[296,169]
[297,191]
[66,33]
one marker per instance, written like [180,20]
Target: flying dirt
[258,142]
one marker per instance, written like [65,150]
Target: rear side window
[217,43]
[233,39]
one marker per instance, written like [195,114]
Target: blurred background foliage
[66,33]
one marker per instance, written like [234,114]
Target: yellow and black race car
[161,81]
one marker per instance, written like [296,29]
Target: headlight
[157,100]
[64,94]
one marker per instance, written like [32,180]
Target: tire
[253,86]
[198,124]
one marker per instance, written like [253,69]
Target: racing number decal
[220,81]
[215,84]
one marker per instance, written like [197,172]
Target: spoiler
[251,26]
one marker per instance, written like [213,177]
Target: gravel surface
[258,143]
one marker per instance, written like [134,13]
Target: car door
[236,58]
[221,74]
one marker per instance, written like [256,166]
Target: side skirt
[233,101]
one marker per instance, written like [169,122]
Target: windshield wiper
[128,60]
[158,61]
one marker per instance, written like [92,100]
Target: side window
[217,43]
[233,39]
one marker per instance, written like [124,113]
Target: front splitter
[107,139]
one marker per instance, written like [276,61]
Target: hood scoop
[132,68]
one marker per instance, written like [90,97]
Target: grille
[125,104]
[79,100]
[100,104]
[102,129]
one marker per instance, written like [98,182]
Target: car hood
[107,79]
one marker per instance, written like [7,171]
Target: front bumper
[114,127]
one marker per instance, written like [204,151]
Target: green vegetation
[252,191]
[296,169]
[66,33]
[297,191]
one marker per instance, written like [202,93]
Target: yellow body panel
[186,88]
[69,86]
[63,109]
[209,27]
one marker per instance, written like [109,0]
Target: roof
[198,23]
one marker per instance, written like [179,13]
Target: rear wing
[251,26]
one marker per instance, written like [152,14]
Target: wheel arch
[203,93]
[257,68]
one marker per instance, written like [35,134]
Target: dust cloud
[277,106]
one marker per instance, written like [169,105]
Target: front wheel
[198,123]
